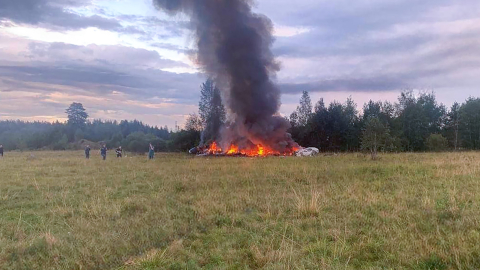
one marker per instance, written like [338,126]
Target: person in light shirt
[119,152]
[151,152]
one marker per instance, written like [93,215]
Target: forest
[415,122]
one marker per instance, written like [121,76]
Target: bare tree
[194,122]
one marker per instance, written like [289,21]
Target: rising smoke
[234,48]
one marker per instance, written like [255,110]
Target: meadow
[402,211]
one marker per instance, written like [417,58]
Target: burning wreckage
[234,48]
[256,151]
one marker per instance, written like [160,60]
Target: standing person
[1,150]
[151,152]
[103,152]
[119,152]
[87,152]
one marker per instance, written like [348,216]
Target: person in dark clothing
[119,152]
[151,152]
[1,150]
[103,152]
[87,152]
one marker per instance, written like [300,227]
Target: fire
[255,151]
[261,151]
[233,150]
[214,149]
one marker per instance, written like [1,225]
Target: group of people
[118,152]
[103,151]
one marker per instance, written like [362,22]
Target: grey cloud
[71,21]
[436,66]
[155,21]
[381,58]
[156,28]
[339,30]
[311,44]
[99,81]
[58,15]
[132,30]
[55,14]
[172,47]
[107,55]
[344,16]
[378,84]
[341,27]
[430,69]
[95,70]
[336,29]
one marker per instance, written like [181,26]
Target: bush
[160,145]
[115,141]
[79,135]
[61,144]
[184,140]
[138,142]
[436,142]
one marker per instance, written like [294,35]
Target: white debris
[307,152]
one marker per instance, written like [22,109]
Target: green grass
[404,211]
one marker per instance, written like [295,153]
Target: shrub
[436,142]
[138,142]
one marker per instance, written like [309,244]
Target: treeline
[413,123]
[133,136]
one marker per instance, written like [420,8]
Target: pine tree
[469,115]
[211,111]
[304,110]
[353,129]
[77,116]
[452,124]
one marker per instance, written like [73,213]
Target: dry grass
[308,205]
[403,211]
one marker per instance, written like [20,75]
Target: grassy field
[404,211]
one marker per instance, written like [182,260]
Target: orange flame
[261,151]
[233,150]
[257,151]
[214,149]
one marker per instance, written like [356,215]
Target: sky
[125,60]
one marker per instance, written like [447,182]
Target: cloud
[60,15]
[51,107]
[138,84]
[112,55]
[373,46]
[369,47]
[155,28]
[43,93]
[379,84]
[44,77]
[367,27]
[53,13]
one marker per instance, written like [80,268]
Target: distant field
[404,211]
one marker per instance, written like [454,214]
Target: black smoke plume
[234,47]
